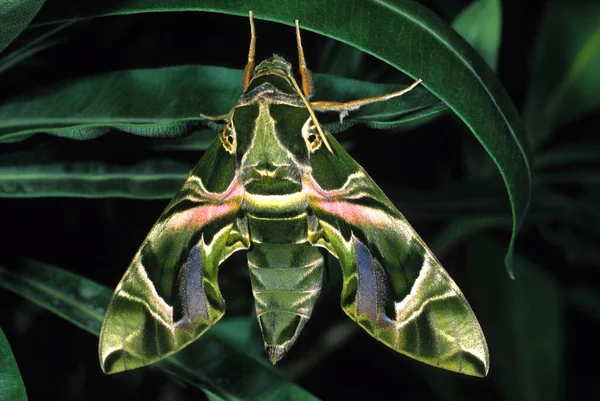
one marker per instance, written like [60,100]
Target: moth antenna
[307,86]
[250,65]
[305,75]
[312,115]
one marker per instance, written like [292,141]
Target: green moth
[276,184]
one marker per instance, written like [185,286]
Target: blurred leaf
[33,47]
[523,321]
[564,68]
[578,246]
[552,207]
[589,176]
[198,141]
[235,330]
[174,97]
[15,16]
[212,397]
[461,229]
[11,383]
[586,300]
[481,25]
[149,179]
[386,29]
[339,59]
[212,363]
[569,154]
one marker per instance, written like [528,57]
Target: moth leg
[306,76]
[250,66]
[344,107]
[220,117]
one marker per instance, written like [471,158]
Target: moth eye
[228,138]
[311,136]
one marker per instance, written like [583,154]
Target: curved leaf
[402,33]
[33,47]
[89,107]
[150,179]
[480,23]
[212,363]
[564,68]
[11,384]
[15,15]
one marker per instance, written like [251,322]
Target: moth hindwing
[277,184]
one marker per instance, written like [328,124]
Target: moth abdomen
[286,273]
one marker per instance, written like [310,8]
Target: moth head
[276,65]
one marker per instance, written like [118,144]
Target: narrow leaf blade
[480,23]
[564,68]
[11,383]
[16,16]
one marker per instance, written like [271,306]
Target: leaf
[33,47]
[461,229]
[213,363]
[586,300]
[524,323]
[577,247]
[89,107]
[569,155]
[16,16]
[403,34]
[564,68]
[480,24]
[148,179]
[340,59]
[11,383]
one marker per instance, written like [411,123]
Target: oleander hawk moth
[277,184]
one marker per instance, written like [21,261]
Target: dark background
[97,238]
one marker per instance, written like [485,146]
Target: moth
[278,185]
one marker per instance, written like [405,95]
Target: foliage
[95,122]
[11,384]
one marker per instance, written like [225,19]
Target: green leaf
[564,68]
[578,247]
[339,59]
[586,300]
[405,35]
[89,107]
[524,322]
[569,154]
[461,229]
[11,383]
[481,25]
[16,16]
[212,363]
[33,47]
[31,176]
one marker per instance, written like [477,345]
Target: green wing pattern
[169,296]
[394,287]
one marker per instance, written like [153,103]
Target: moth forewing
[277,184]
[393,285]
[169,295]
